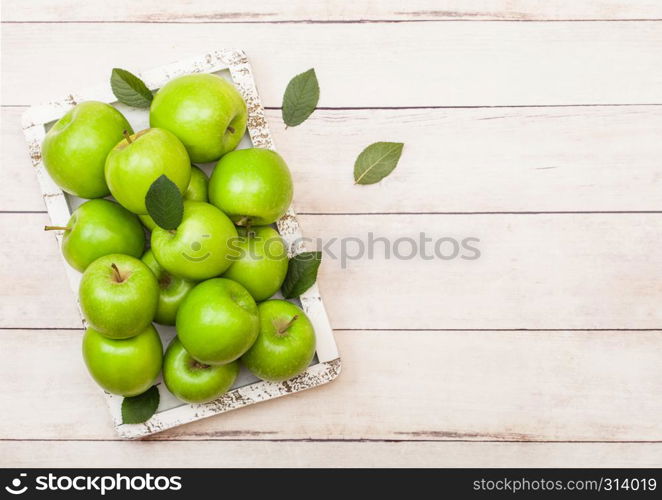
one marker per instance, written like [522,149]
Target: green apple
[192,381]
[172,290]
[201,247]
[138,160]
[196,191]
[286,343]
[126,367]
[98,228]
[197,186]
[252,186]
[218,321]
[205,111]
[118,296]
[262,264]
[75,148]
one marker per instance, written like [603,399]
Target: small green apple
[127,367]
[172,291]
[201,247]
[252,186]
[262,265]
[138,160]
[196,191]
[97,228]
[218,321]
[205,111]
[197,186]
[286,343]
[75,148]
[192,381]
[118,296]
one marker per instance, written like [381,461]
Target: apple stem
[56,228]
[118,276]
[283,329]
[127,136]
[230,129]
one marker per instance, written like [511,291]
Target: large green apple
[196,191]
[138,160]
[127,367]
[218,321]
[205,111]
[201,247]
[262,265]
[172,291]
[286,343]
[118,296]
[252,186]
[192,381]
[75,148]
[98,228]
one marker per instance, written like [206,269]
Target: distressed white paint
[536,271]
[196,11]
[414,385]
[35,121]
[361,65]
[327,454]
[601,158]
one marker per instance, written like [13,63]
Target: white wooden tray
[233,65]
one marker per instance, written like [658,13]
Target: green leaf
[300,99]
[377,161]
[129,89]
[165,203]
[301,273]
[139,409]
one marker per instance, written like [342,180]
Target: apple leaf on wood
[300,99]
[377,161]
[140,408]
[129,89]
[301,273]
[165,203]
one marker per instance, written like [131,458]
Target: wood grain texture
[485,386]
[472,160]
[417,64]
[24,454]
[196,11]
[571,271]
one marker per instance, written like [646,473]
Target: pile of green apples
[212,277]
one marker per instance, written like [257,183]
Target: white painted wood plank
[325,10]
[416,64]
[24,454]
[459,385]
[471,160]
[536,271]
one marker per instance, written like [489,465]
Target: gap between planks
[155,438]
[341,21]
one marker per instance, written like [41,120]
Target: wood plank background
[533,126]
